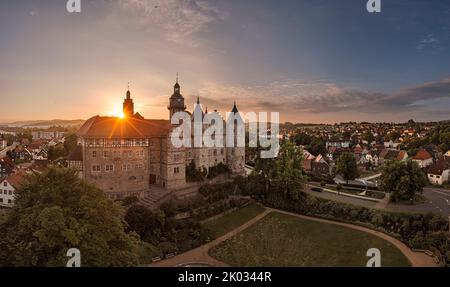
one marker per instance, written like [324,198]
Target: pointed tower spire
[206,110]
[128,91]
[198,100]
[234,110]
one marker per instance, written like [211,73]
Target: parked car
[316,189]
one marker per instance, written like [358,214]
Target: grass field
[230,221]
[285,240]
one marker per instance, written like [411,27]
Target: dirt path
[200,254]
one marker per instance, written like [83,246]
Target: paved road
[6,149]
[438,201]
[342,198]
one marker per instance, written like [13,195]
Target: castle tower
[128,105]
[236,154]
[176,103]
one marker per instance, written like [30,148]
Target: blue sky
[310,60]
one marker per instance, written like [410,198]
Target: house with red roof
[9,186]
[423,158]
[438,173]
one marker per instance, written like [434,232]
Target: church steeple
[176,103]
[128,105]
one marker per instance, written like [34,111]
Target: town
[196,133]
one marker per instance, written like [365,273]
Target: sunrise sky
[311,60]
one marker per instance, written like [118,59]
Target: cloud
[430,41]
[177,19]
[322,97]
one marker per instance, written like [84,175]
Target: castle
[132,156]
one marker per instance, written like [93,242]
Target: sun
[117,112]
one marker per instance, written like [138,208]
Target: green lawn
[230,221]
[285,240]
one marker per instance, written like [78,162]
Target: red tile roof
[16,179]
[113,127]
[422,155]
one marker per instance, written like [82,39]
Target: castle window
[126,167]
[109,167]
[176,170]
[94,153]
[96,168]
[105,154]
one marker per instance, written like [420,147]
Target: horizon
[311,61]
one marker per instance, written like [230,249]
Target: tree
[55,211]
[57,151]
[394,135]
[402,179]
[346,166]
[266,168]
[369,137]
[70,143]
[318,147]
[26,134]
[289,177]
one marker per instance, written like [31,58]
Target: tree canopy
[346,166]
[55,211]
[403,179]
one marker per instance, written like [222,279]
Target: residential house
[434,150]
[21,153]
[392,154]
[391,144]
[48,135]
[6,166]
[338,144]
[409,132]
[438,173]
[423,158]
[447,155]
[75,159]
[8,188]
[320,166]
[3,144]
